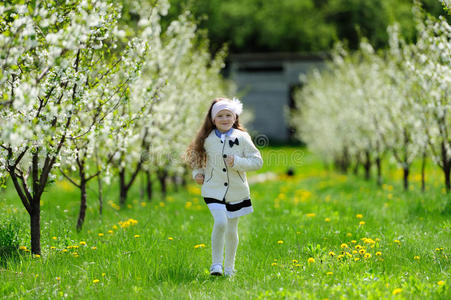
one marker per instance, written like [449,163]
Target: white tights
[225,230]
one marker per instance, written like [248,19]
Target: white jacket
[222,181]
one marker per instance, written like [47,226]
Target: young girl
[221,154]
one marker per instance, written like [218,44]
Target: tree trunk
[35,227]
[447,170]
[122,187]
[149,185]
[175,182]
[82,214]
[423,173]
[162,175]
[99,183]
[379,170]
[406,171]
[367,165]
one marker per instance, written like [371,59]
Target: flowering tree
[50,55]
[395,101]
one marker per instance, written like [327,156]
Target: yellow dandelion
[362,223]
[64,250]
[170,238]
[397,242]
[362,251]
[100,234]
[358,247]
[327,219]
[310,215]
[95,281]
[162,204]
[94,248]
[416,257]
[110,231]
[349,255]
[377,239]
[311,260]
[295,261]
[331,253]
[103,274]
[274,264]
[83,243]
[359,216]
[340,256]
[54,238]
[367,255]
[329,273]
[280,242]
[348,234]
[36,255]
[22,248]
[52,248]
[136,236]
[354,252]
[378,253]
[344,246]
[115,227]
[58,278]
[441,282]
[396,291]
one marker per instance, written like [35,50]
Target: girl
[221,154]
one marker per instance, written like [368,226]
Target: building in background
[266,83]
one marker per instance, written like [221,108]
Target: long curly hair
[195,154]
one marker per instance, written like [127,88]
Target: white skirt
[232,209]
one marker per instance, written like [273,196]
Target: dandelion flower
[358,247]
[354,241]
[22,248]
[396,291]
[397,242]
[367,255]
[170,238]
[327,219]
[329,273]
[274,264]
[58,278]
[311,260]
[331,253]
[82,243]
[52,248]
[280,242]
[441,282]
[295,261]
[348,234]
[136,236]
[103,274]
[310,215]
[64,250]
[362,223]
[110,231]
[378,253]
[94,248]
[54,238]
[362,251]
[416,257]
[359,216]
[37,255]
[95,281]
[100,234]
[343,246]
[357,259]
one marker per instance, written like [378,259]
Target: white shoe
[229,272]
[216,270]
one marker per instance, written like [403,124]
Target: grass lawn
[316,235]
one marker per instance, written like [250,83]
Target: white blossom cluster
[75,84]
[366,104]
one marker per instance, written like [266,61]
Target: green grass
[297,218]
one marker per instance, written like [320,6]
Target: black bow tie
[235,142]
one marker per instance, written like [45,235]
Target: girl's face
[224,120]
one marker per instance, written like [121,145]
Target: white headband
[234,106]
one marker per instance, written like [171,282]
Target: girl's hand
[230,160]
[199,178]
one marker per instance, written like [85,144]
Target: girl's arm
[252,159]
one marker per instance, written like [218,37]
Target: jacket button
[225,183]
[224,170]
[225,155]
